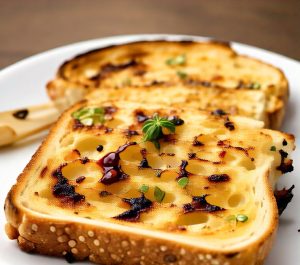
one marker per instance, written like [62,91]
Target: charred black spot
[110,164]
[84,160]
[191,155]
[99,148]
[110,110]
[231,255]
[144,163]
[166,154]
[196,142]
[104,193]
[63,190]
[21,114]
[138,205]
[80,179]
[218,178]
[130,133]
[182,170]
[69,257]
[176,120]
[229,125]
[108,130]
[285,165]
[222,154]
[141,117]
[284,142]
[218,112]
[199,203]
[283,198]
[77,124]
[170,258]
[158,172]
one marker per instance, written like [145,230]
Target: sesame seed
[142,257]
[34,227]
[163,248]
[114,257]
[124,244]
[62,239]
[182,251]
[91,233]
[215,262]
[67,230]
[74,250]
[81,238]
[200,257]
[96,242]
[208,256]
[52,228]
[133,242]
[64,252]
[128,253]
[142,263]
[72,243]
[101,250]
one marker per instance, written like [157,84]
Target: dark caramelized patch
[110,110]
[166,154]
[63,190]
[229,124]
[176,120]
[69,257]
[21,114]
[109,68]
[191,155]
[110,164]
[199,203]
[222,154]
[283,198]
[130,133]
[77,124]
[84,160]
[286,165]
[80,179]
[138,205]
[196,142]
[182,170]
[141,117]
[104,193]
[284,142]
[218,112]
[100,148]
[216,178]
[144,162]
[44,171]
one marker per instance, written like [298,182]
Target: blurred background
[32,26]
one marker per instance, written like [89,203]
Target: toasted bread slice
[101,192]
[143,63]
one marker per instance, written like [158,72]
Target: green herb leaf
[126,82]
[178,60]
[255,86]
[89,116]
[144,188]
[182,182]
[152,129]
[273,148]
[241,218]
[159,194]
[181,74]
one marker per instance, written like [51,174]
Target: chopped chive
[255,86]
[159,194]
[144,188]
[89,116]
[181,74]
[182,182]
[178,60]
[273,148]
[241,218]
[231,218]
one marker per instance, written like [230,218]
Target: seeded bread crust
[104,244]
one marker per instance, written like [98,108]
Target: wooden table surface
[32,26]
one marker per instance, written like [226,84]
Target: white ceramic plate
[23,84]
